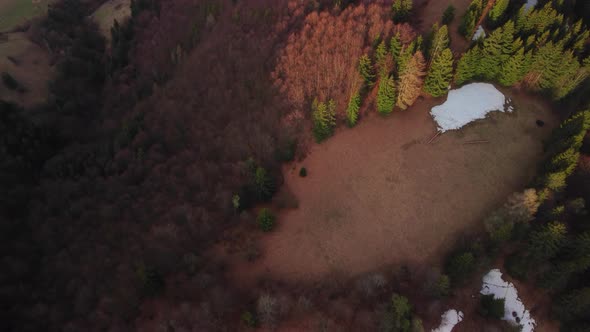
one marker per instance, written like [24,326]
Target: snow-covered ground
[479,33]
[514,310]
[468,103]
[449,319]
[530,4]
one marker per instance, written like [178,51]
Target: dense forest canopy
[153,145]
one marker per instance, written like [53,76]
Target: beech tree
[440,74]
[411,81]
[386,95]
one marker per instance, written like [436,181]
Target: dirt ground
[29,64]
[16,12]
[378,195]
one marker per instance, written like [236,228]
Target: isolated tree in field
[448,15]
[352,111]
[440,75]
[324,119]
[265,220]
[468,66]
[411,81]
[386,95]
[498,10]
[546,242]
[366,69]
[401,10]
[440,41]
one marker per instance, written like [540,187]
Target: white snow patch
[449,319]
[530,4]
[466,104]
[479,33]
[515,312]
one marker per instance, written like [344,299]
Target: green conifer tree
[546,242]
[401,10]
[498,10]
[512,71]
[381,59]
[386,95]
[395,46]
[491,56]
[352,111]
[440,41]
[468,66]
[324,119]
[440,74]
[366,69]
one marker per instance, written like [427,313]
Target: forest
[188,128]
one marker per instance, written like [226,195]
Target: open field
[379,195]
[110,11]
[16,12]
[29,64]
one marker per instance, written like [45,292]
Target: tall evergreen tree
[545,67]
[471,17]
[411,81]
[440,41]
[440,74]
[468,66]
[401,10]
[512,71]
[498,10]
[395,46]
[574,305]
[352,111]
[546,242]
[324,119]
[366,69]
[386,95]
[567,83]
[405,56]
[491,56]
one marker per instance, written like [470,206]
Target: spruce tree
[324,119]
[440,74]
[467,68]
[386,95]
[545,68]
[352,111]
[440,41]
[366,69]
[401,10]
[395,46]
[498,10]
[546,242]
[469,21]
[491,56]
[405,55]
[512,71]
[411,81]
[567,83]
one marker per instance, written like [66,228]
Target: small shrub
[266,220]
[448,15]
[249,319]
[491,307]
[303,172]
[286,151]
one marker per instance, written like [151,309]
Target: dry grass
[110,11]
[378,195]
[431,11]
[29,64]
